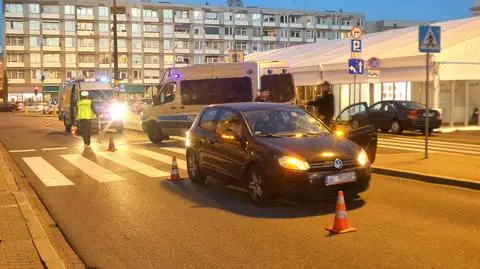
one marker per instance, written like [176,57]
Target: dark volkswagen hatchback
[277,149]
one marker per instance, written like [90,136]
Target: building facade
[476,8]
[385,25]
[49,42]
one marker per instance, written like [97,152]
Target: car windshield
[413,105]
[292,122]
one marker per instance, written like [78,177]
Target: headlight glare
[117,111]
[293,163]
[362,158]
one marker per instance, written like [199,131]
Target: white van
[188,90]
[104,99]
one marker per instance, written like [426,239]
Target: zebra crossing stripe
[92,169]
[442,143]
[405,146]
[50,176]
[160,157]
[176,150]
[134,165]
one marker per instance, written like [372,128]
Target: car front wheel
[193,169]
[396,127]
[257,190]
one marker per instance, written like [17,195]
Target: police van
[104,99]
[187,90]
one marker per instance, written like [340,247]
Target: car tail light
[413,114]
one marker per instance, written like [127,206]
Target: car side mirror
[229,134]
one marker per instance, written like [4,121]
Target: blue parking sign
[356,45]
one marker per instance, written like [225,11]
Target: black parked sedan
[396,116]
[275,149]
[7,107]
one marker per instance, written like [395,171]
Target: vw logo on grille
[337,163]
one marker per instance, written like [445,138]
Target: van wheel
[155,133]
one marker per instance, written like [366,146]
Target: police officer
[85,113]
[325,103]
[264,96]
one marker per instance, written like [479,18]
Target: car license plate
[340,178]
[431,114]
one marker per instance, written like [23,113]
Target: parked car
[276,149]
[7,107]
[50,108]
[394,116]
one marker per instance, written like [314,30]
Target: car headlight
[362,158]
[293,163]
[117,111]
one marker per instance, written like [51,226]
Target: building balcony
[70,65]
[104,34]
[51,48]
[182,20]
[35,65]
[16,80]
[70,49]
[182,50]
[35,49]
[283,39]
[198,36]
[137,81]
[121,34]
[269,24]
[51,32]
[34,32]
[51,64]
[8,47]
[15,64]
[122,49]
[242,37]
[212,51]
[168,51]
[241,22]
[346,27]
[256,38]
[13,15]
[296,39]
[151,80]
[181,64]
[296,25]
[103,18]
[69,17]
[197,21]
[322,26]
[199,52]
[52,81]
[85,33]
[212,37]
[86,49]
[15,31]
[104,65]
[85,17]
[70,33]
[139,50]
[269,38]
[150,34]
[151,50]
[166,35]
[50,16]
[86,65]
[34,16]
[120,17]
[151,65]
[136,19]
[167,20]
[212,22]
[137,66]
[284,25]
[228,37]
[150,19]
[310,40]
[182,35]
[228,22]
[122,65]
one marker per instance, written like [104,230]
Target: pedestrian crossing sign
[429,39]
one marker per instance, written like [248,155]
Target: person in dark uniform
[325,103]
[265,96]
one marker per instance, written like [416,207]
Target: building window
[34,42]
[52,74]
[295,19]
[137,74]
[50,9]
[269,32]
[211,16]
[70,26]
[34,8]
[123,74]
[181,59]
[84,11]
[240,16]
[359,22]
[16,74]
[198,45]
[168,59]
[148,13]
[150,28]
[34,25]
[121,27]
[14,8]
[137,44]
[70,42]
[136,12]
[105,27]
[309,34]
[137,59]
[151,59]
[168,44]
[212,59]
[228,45]
[322,20]
[167,14]
[256,46]
[52,26]
[168,29]
[212,45]
[69,10]
[18,25]
[103,11]
[70,58]
[85,26]
[181,44]
[14,41]
[257,19]
[295,34]
[241,46]
[284,19]
[228,31]
[181,14]
[212,30]
[71,74]
[151,74]
[321,34]
[51,41]
[198,30]
[51,58]
[88,73]
[121,43]
[36,74]
[283,32]
[86,58]
[151,43]
[15,58]
[198,59]
[269,46]
[257,32]
[268,18]
[228,16]
[86,42]
[105,58]
[345,22]
[123,58]
[198,15]
[241,31]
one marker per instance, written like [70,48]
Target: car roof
[253,106]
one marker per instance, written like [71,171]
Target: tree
[5,87]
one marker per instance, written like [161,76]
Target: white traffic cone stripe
[134,165]
[160,157]
[341,215]
[50,176]
[92,169]
[340,200]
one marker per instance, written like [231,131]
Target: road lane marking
[92,169]
[51,149]
[160,157]
[435,149]
[141,143]
[176,150]
[416,143]
[434,142]
[21,150]
[134,165]
[50,176]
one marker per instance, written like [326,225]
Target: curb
[35,116]
[429,178]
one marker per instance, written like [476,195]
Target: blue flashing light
[104,79]
[176,76]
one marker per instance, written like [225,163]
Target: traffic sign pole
[427,113]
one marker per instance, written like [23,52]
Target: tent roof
[460,44]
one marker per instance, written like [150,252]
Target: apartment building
[49,42]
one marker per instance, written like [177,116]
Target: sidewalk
[456,170]
[24,243]
[35,114]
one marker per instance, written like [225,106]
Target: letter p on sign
[356,45]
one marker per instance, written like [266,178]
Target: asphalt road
[139,220]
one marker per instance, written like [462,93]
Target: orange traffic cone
[175,175]
[74,131]
[111,145]
[340,223]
